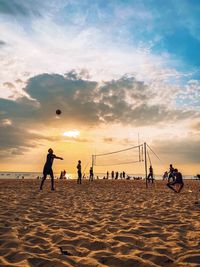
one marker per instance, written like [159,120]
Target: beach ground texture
[101,223]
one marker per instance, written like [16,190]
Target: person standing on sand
[48,168]
[150,175]
[91,174]
[107,175]
[171,173]
[178,183]
[165,175]
[79,172]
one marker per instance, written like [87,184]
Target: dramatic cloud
[16,140]
[125,101]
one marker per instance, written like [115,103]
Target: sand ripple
[103,223]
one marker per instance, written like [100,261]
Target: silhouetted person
[150,175]
[48,168]
[61,175]
[178,183]
[116,175]
[79,173]
[171,173]
[165,175]
[91,174]
[112,174]
[124,174]
[107,175]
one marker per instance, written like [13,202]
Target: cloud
[83,102]
[102,44]
[179,150]
[196,126]
[16,140]
[108,139]
[2,43]
[21,8]
[125,101]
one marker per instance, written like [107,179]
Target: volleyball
[58,112]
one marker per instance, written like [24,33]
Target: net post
[93,163]
[145,162]
[139,147]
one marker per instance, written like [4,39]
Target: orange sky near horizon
[96,141]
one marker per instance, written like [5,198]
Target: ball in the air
[58,112]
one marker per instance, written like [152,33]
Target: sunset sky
[116,69]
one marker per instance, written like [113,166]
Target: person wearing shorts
[48,168]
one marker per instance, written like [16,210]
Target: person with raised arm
[48,168]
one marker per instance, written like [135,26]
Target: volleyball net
[126,156]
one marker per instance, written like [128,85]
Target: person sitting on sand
[48,168]
[178,184]
[150,175]
[79,172]
[171,173]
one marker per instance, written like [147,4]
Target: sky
[121,72]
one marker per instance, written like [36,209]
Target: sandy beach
[100,223]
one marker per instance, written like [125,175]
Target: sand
[100,223]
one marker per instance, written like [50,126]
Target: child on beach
[178,184]
[48,168]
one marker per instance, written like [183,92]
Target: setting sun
[72,133]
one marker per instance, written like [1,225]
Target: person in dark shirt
[91,174]
[178,184]
[48,168]
[171,173]
[150,175]
[79,172]
[107,175]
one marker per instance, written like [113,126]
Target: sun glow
[72,133]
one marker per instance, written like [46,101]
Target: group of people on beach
[115,175]
[175,179]
[47,170]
